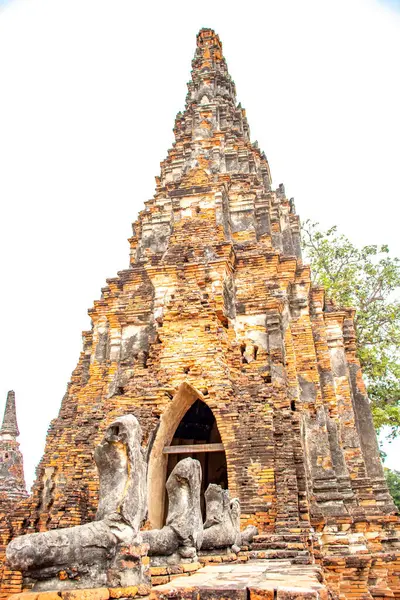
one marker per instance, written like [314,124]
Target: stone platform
[254,580]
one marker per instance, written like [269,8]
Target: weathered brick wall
[217,298]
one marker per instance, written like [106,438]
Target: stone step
[256,579]
[270,553]
[274,544]
[280,537]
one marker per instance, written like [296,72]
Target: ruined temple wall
[218,305]
[363,417]
[212,357]
[242,331]
[325,439]
[121,374]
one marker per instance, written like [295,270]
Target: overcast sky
[89,92]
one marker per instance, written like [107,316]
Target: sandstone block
[126,592]
[160,579]
[260,594]
[89,594]
[24,596]
[143,589]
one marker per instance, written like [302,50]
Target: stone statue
[91,555]
[183,531]
[222,526]
[122,471]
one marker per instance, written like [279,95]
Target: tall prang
[215,336]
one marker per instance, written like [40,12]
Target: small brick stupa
[12,481]
[216,335]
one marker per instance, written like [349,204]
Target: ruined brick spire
[210,77]
[10,425]
[212,134]
[214,164]
[12,481]
[218,308]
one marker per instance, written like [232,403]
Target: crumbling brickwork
[217,305]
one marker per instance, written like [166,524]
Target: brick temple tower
[12,481]
[214,336]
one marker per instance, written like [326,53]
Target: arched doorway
[187,428]
[198,427]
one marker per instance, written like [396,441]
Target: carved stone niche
[108,552]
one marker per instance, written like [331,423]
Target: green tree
[367,279]
[393,481]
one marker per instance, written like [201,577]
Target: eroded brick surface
[218,305]
[126,592]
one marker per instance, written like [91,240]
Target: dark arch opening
[198,426]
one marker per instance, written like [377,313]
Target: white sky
[89,92]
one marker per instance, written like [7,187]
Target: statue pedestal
[86,594]
[128,568]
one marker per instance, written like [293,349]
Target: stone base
[128,568]
[86,594]
[172,559]
[255,580]
[219,556]
[166,573]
